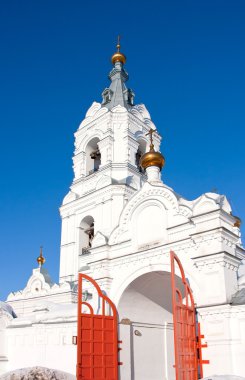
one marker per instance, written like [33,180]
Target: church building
[120,223]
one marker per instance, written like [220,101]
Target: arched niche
[93,156]
[86,234]
[149,223]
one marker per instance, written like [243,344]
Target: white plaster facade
[136,220]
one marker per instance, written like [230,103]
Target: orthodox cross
[150,133]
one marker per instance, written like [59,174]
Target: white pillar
[153,174]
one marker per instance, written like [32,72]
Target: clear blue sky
[186,63]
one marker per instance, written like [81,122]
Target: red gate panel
[188,355]
[97,337]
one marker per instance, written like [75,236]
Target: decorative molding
[216,261]
[216,313]
[135,201]
[39,285]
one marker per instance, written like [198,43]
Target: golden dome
[238,221]
[152,158]
[40,258]
[118,56]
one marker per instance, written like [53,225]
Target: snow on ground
[37,373]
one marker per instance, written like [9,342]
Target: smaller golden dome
[118,56]
[238,221]
[40,259]
[152,158]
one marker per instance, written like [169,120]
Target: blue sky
[186,64]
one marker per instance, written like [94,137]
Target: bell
[93,155]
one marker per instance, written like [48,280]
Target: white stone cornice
[216,260]
[79,204]
[220,234]
[218,312]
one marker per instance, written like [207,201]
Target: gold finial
[118,56]
[238,221]
[40,259]
[152,158]
[118,43]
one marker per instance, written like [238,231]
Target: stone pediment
[39,284]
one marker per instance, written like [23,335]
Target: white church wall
[219,274]
[47,345]
[146,356]
[5,320]
[223,327]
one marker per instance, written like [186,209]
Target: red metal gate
[187,337]
[97,338]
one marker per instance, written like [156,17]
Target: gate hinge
[74,340]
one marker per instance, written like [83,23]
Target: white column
[153,174]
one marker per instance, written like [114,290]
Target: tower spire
[118,93]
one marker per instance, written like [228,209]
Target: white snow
[37,373]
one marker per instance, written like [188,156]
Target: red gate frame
[187,340]
[97,338]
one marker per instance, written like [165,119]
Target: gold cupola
[152,158]
[118,56]
[238,221]
[40,259]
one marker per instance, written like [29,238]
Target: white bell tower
[108,145]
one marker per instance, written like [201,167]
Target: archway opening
[93,156]
[146,326]
[86,234]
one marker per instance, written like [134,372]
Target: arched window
[86,234]
[141,150]
[93,156]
